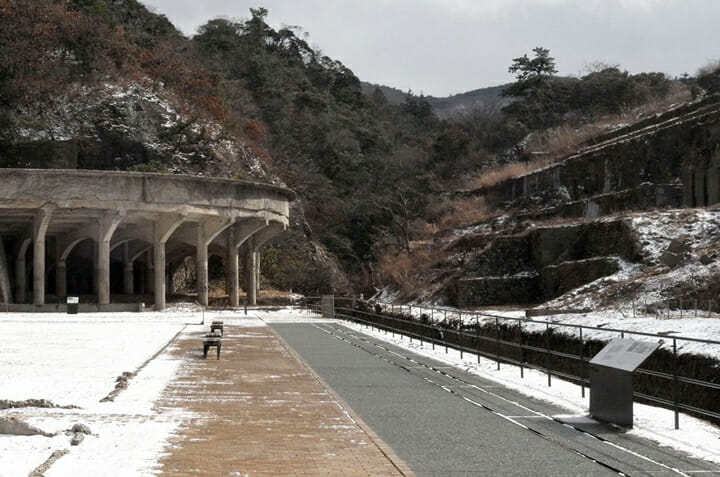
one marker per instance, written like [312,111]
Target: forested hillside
[241,99]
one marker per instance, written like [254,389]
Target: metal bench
[217,325]
[210,340]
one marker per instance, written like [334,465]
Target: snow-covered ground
[75,359]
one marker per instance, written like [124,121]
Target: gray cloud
[443,47]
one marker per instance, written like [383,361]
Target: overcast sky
[443,47]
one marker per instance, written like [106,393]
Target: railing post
[547,353]
[582,364]
[675,385]
[477,337]
[497,342]
[522,351]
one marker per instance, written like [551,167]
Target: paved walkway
[259,411]
[444,421]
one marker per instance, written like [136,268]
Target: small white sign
[73,300]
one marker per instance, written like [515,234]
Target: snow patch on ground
[75,359]
[651,284]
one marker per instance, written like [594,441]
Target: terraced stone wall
[667,161]
[543,263]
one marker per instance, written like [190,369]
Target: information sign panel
[624,354]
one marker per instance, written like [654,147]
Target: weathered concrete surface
[52,215]
[134,191]
[534,287]
[547,245]
[543,263]
[481,291]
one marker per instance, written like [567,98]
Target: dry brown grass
[406,271]
[552,145]
[453,213]
[496,175]
[679,94]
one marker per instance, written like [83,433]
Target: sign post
[611,371]
[327,305]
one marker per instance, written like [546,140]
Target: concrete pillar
[688,187]
[713,185]
[141,288]
[149,273]
[127,270]
[5,290]
[39,271]
[103,272]
[207,230]
[106,229]
[94,248]
[233,271]
[61,279]
[20,281]
[159,274]
[252,261]
[128,285]
[40,225]
[257,270]
[163,228]
[250,273]
[201,265]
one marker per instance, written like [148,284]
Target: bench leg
[205,351]
[218,351]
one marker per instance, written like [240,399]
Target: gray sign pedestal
[611,372]
[327,305]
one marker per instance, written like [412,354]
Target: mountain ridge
[488,99]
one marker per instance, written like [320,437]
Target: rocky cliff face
[129,126]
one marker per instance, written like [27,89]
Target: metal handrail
[427,330]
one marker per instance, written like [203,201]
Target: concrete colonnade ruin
[78,232]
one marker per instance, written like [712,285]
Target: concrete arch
[130,210]
[68,248]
